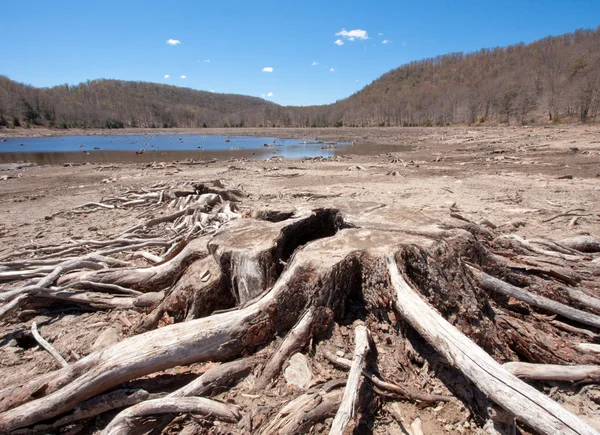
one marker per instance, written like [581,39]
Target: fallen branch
[553,372]
[582,243]
[49,348]
[347,408]
[498,286]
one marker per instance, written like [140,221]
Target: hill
[115,104]
[556,78]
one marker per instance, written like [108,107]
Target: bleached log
[553,372]
[530,246]
[347,408]
[498,286]
[123,423]
[589,347]
[582,243]
[525,402]
[573,329]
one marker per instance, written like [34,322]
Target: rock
[107,338]
[298,373]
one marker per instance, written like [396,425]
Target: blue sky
[224,46]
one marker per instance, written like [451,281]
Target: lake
[61,149]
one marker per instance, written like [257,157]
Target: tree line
[550,80]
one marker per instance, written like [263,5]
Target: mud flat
[383,289]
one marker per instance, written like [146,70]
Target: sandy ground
[519,177]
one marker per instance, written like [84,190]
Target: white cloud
[167,76]
[315,63]
[173,41]
[357,81]
[212,90]
[386,41]
[262,95]
[267,69]
[207,61]
[353,34]
[380,34]
[270,94]
[338,42]
[331,69]
[182,77]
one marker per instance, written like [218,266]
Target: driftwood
[498,286]
[553,372]
[347,408]
[582,243]
[526,403]
[123,422]
[49,348]
[222,286]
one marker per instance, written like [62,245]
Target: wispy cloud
[380,34]
[331,69]
[182,77]
[403,44]
[338,42]
[267,69]
[386,41]
[173,41]
[351,35]
[212,90]
[270,94]
[167,76]
[207,61]
[315,63]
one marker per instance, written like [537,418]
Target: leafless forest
[554,79]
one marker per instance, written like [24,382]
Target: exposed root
[212,285]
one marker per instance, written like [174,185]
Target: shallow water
[53,150]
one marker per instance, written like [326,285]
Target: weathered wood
[301,413]
[49,348]
[91,408]
[525,402]
[347,408]
[553,372]
[145,279]
[582,243]
[498,286]
[294,341]
[217,377]
[123,423]
[403,392]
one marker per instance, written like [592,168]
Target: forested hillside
[117,104]
[553,79]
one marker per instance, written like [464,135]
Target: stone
[107,338]
[298,372]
